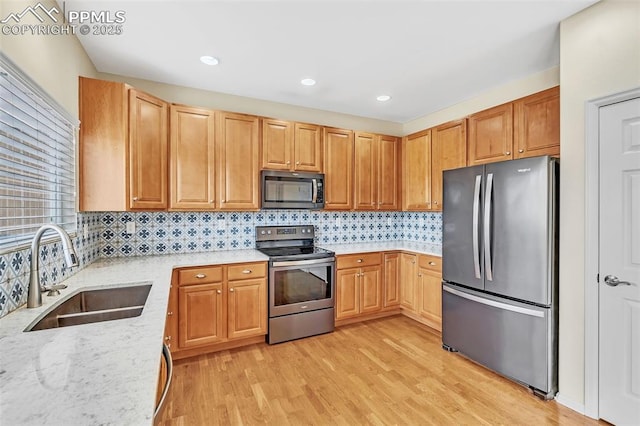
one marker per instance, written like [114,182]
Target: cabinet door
[537,124]
[448,151]
[247,308]
[430,295]
[408,274]
[417,171]
[347,294]
[200,315]
[391,283]
[147,151]
[237,138]
[192,159]
[308,148]
[277,144]
[365,171]
[491,135]
[388,163]
[370,289]
[338,168]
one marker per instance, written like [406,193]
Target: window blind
[37,161]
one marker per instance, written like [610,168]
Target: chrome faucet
[34,296]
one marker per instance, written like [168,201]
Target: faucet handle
[54,290]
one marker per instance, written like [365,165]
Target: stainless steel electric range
[301,282]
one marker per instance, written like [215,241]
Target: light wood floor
[381,372]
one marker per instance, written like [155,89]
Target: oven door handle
[326,260]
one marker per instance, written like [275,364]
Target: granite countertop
[422,248]
[102,373]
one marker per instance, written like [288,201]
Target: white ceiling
[426,54]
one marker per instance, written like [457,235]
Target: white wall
[490,98]
[54,62]
[599,55]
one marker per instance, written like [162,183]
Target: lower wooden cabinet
[212,307]
[391,279]
[358,289]
[421,288]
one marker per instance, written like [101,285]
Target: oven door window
[301,285]
[288,190]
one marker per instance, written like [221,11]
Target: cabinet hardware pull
[231,290]
[379,203]
[288,162]
[201,276]
[247,271]
[521,151]
[432,263]
[413,261]
[223,201]
[219,291]
[297,162]
[135,198]
[507,153]
[359,261]
[211,201]
[435,202]
[169,313]
[167,338]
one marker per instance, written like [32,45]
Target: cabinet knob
[419,275]
[169,313]
[219,291]
[223,201]
[167,338]
[135,198]
[413,261]
[201,276]
[359,261]
[379,203]
[507,153]
[435,202]
[231,290]
[247,271]
[211,201]
[521,151]
[297,163]
[432,263]
[288,162]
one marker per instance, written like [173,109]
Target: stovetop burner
[289,243]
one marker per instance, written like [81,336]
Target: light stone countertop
[103,373]
[422,248]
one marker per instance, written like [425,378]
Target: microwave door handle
[314,197]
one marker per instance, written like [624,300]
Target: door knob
[613,281]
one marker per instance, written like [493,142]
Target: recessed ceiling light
[383,98]
[209,60]
[308,82]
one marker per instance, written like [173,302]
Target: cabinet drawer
[209,274]
[245,271]
[433,263]
[358,260]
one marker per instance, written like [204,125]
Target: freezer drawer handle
[476,219]
[495,304]
[487,228]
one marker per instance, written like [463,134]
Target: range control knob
[269,232]
[262,232]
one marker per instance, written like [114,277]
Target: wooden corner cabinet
[448,151]
[421,288]
[123,135]
[526,127]
[338,169]
[391,279]
[375,172]
[216,307]
[192,159]
[237,137]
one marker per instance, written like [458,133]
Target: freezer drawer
[514,339]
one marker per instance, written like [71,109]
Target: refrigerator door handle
[494,303]
[476,219]
[488,203]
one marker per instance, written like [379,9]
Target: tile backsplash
[15,266]
[185,232]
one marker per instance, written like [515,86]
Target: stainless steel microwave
[292,190]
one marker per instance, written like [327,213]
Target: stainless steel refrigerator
[499,266]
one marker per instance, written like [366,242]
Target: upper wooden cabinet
[491,135]
[448,151]
[192,159]
[338,168]
[122,149]
[238,161]
[526,127]
[416,161]
[375,172]
[536,124]
[291,146]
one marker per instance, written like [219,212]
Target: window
[37,160]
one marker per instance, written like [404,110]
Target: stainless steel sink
[97,305]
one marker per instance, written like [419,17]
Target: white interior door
[619,370]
